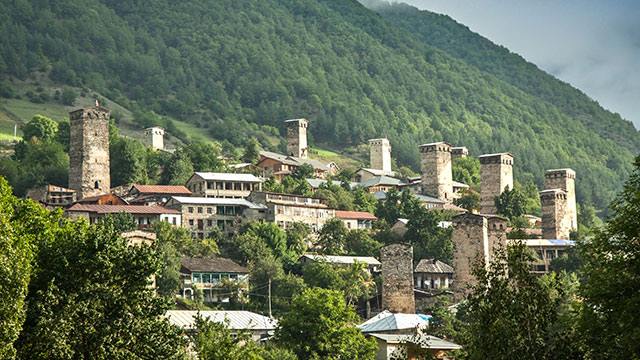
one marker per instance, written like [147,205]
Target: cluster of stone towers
[89,152]
[558,200]
[297,138]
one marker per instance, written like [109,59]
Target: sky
[592,44]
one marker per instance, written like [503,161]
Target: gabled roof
[161,189]
[234,319]
[544,242]
[211,264]
[433,266]
[381,180]
[296,161]
[355,215]
[131,209]
[388,321]
[335,259]
[316,183]
[216,176]
[424,341]
[216,201]
[377,172]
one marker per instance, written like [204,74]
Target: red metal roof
[131,209]
[162,189]
[355,215]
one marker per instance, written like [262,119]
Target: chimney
[380,155]
[496,175]
[297,137]
[437,177]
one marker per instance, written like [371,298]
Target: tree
[470,200]
[512,312]
[251,152]
[320,325]
[120,222]
[511,203]
[466,170]
[68,96]
[128,162]
[360,243]
[354,281]
[332,238]
[428,238]
[40,127]
[611,272]
[303,171]
[179,169]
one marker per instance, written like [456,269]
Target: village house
[382,183]
[278,165]
[432,274]
[144,216]
[155,194]
[211,275]
[260,327]
[414,184]
[372,263]
[356,219]
[223,185]
[412,346]
[203,215]
[286,209]
[52,195]
[546,251]
[104,199]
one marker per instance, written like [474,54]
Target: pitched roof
[335,259]
[388,321]
[316,183]
[131,209]
[544,242]
[355,215]
[296,161]
[212,264]
[217,201]
[433,266]
[216,176]
[234,319]
[424,341]
[381,180]
[377,172]
[161,189]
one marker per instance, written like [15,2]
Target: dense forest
[236,68]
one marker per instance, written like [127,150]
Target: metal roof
[433,266]
[545,242]
[131,209]
[316,183]
[355,215]
[234,319]
[217,201]
[161,189]
[381,180]
[388,321]
[214,176]
[335,259]
[424,341]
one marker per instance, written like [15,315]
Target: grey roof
[211,264]
[424,341]
[228,177]
[381,195]
[433,266]
[217,201]
[335,259]
[296,120]
[296,161]
[377,171]
[381,180]
[388,321]
[234,319]
[316,183]
[496,154]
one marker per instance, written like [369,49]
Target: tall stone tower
[154,137]
[556,221]
[459,152]
[397,278]
[564,179]
[89,151]
[437,176]
[380,154]
[297,137]
[496,174]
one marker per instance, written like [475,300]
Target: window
[220,224]
[220,210]
[174,220]
[199,210]
[206,278]
[191,222]
[551,254]
[209,210]
[196,278]
[190,209]
[96,185]
[209,222]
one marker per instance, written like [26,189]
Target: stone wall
[459,152]
[89,152]
[380,154]
[397,278]
[154,137]
[556,221]
[297,137]
[496,174]
[470,238]
[437,176]
[564,179]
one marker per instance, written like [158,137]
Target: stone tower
[437,176]
[89,151]
[459,152]
[397,278]
[556,221]
[380,154]
[154,137]
[297,137]
[496,174]
[564,179]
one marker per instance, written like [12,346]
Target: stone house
[546,251]
[285,209]
[155,194]
[432,274]
[202,215]
[52,195]
[356,219]
[381,183]
[223,185]
[211,275]
[145,216]
[412,346]
[104,199]
[278,165]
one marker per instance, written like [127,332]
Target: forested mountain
[225,64]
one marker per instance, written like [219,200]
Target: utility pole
[270,315]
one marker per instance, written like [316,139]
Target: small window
[199,210]
[209,210]
[96,185]
[190,209]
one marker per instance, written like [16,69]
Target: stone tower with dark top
[297,137]
[89,151]
[496,175]
[437,175]
[564,179]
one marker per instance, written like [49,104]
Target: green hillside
[237,68]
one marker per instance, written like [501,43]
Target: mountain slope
[238,68]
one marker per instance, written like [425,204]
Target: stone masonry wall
[89,152]
[437,176]
[564,179]
[397,278]
[556,221]
[471,244]
[496,173]
[380,154]
[297,137]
